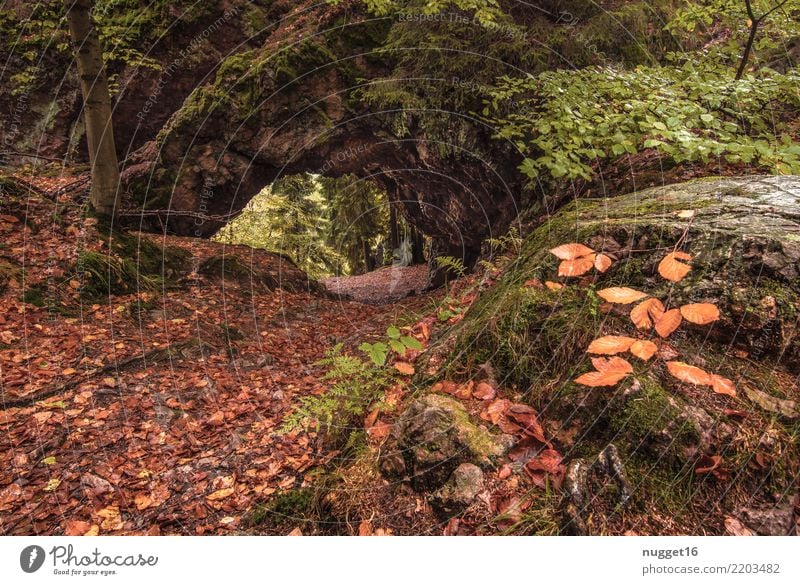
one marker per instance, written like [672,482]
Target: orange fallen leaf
[365,528]
[484,391]
[571,251]
[76,528]
[553,285]
[610,344]
[220,494]
[700,313]
[602,262]
[707,463]
[621,295]
[646,313]
[576,267]
[404,368]
[142,501]
[691,374]
[643,349]
[672,269]
[613,363]
[723,385]
[668,323]
[608,376]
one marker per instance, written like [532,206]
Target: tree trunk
[394,227]
[104,195]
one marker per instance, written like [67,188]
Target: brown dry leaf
[76,528]
[571,251]
[494,412]
[365,528]
[142,501]
[602,262]
[111,518]
[668,323]
[576,267]
[707,463]
[610,344]
[484,391]
[646,313]
[504,472]
[110,382]
[404,368]
[533,283]
[689,374]
[448,387]
[296,532]
[553,285]
[464,391]
[734,527]
[644,349]
[672,269]
[723,385]
[93,531]
[700,313]
[621,295]
[220,494]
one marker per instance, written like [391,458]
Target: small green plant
[357,386]
[511,240]
[454,265]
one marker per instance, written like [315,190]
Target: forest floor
[153,412]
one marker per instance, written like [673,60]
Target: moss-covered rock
[432,438]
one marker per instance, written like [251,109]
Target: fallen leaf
[576,267]
[504,472]
[142,501]
[723,385]
[691,374]
[609,377]
[76,528]
[621,295]
[784,407]
[707,463]
[602,262]
[734,527]
[296,532]
[668,323]
[613,363]
[610,344]
[365,528]
[672,269]
[646,313]
[484,391]
[220,494]
[700,313]
[571,251]
[111,518]
[553,285]
[643,349]
[533,283]
[404,368]
[686,213]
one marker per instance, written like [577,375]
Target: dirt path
[167,423]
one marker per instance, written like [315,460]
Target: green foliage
[356,386]
[569,120]
[452,264]
[325,225]
[485,12]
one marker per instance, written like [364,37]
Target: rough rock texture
[432,438]
[774,521]
[464,485]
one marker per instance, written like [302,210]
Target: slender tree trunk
[104,195]
[748,48]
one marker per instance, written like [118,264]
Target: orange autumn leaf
[404,368]
[553,285]
[646,313]
[672,269]
[602,262]
[576,267]
[610,344]
[621,295]
[723,385]
[668,322]
[613,363]
[689,374]
[707,463]
[700,313]
[608,376]
[571,251]
[644,349]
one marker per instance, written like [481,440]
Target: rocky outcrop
[431,440]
